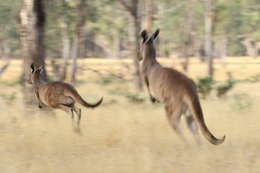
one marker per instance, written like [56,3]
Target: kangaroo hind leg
[174,112]
[68,102]
[78,112]
[76,128]
[192,126]
[71,110]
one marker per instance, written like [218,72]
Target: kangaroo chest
[157,88]
[41,95]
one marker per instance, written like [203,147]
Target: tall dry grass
[125,137]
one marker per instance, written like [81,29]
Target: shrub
[242,101]
[106,80]
[205,85]
[134,97]
[225,86]
[9,98]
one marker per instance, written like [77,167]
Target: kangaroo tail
[89,105]
[80,100]
[195,108]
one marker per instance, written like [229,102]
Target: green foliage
[235,47]
[106,80]
[135,97]
[17,81]
[131,96]
[107,21]
[205,85]
[116,91]
[109,79]
[241,102]
[51,78]
[253,79]
[9,35]
[225,86]
[110,102]
[9,98]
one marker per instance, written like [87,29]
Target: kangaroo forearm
[40,103]
[152,99]
[147,85]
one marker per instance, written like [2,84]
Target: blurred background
[94,44]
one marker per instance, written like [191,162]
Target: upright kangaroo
[174,89]
[58,95]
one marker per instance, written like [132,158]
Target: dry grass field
[128,134]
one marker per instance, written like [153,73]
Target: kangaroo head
[35,73]
[147,46]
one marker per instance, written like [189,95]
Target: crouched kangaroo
[59,95]
[174,89]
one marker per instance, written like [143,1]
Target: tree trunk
[78,39]
[251,48]
[149,6]
[6,49]
[32,23]
[189,35]
[74,56]
[66,44]
[117,45]
[220,49]
[137,73]
[209,14]
[65,52]
[186,55]
[133,10]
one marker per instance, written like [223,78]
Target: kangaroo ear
[144,35]
[155,34]
[32,68]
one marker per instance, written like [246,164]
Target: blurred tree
[78,37]
[150,10]
[238,24]
[61,29]
[9,36]
[32,32]
[109,33]
[181,22]
[66,44]
[189,33]
[209,26]
[133,10]
[249,30]
[236,28]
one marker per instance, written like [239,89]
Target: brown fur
[174,89]
[59,95]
